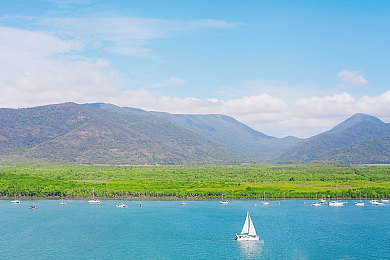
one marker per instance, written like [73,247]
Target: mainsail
[249,228]
[245,229]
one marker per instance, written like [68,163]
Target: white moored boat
[264,202]
[63,203]
[386,200]
[316,203]
[376,202]
[15,201]
[223,201]
[248,232]
[93,200]
[336,203]
[122,205]
[361,203]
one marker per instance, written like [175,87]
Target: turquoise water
[200,230]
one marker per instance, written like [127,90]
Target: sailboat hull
[336,204]
[247,238]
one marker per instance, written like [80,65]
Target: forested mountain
[107,134]
[221,129]
[233,134]
[359,139]
[72,133]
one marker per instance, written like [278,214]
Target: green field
[195,182]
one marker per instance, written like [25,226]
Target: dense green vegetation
[83,134]
[198,182]
[106,134]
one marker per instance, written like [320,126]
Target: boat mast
[249,222]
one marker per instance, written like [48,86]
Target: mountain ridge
[109,134]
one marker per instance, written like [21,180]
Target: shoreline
[169,199]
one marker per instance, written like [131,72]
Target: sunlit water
[199,230]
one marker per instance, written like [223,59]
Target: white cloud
[124,35]
[306,117]
[352,78]
[39,68]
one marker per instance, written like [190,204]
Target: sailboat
[264,202]
[122,205]
[386,199]
[316,203]
[248,232]
[376,202]
[336,203]
[361,203]
[93,200]
[223,201]
[63,203]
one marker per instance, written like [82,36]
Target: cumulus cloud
[352,78]
[265,113]
[39,67]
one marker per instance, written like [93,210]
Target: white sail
[245,229]
[252,230]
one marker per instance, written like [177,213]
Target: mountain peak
[357,119]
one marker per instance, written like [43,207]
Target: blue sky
[282,67]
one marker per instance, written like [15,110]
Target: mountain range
[102,133]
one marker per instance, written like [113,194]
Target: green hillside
[348,142]
[107,134]
[72,133]
[233,134]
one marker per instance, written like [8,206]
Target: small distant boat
[33,207]
[264,202]
[376,202]
[183,203]
[15,201]
[322,201]
[223,201]
[316,203]
[336,203]
[361,203]
[386,199]
[122,205]
[93,200]
[63,203]
[248,232]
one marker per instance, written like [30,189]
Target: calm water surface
[200,230]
